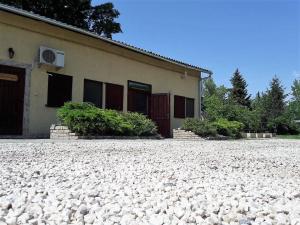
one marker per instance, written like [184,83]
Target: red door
[160,113]
[12,81]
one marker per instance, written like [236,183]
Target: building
[44,63]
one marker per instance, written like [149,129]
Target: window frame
[106,97]
[186,111]
[96,82]
[50,103]
[180,112]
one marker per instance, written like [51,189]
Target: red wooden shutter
[179,106]
[190,107]
[114,96]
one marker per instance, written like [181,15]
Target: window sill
[51,106]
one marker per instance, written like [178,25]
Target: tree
[296,90]
[276,99]
[80,13]
[210,87]
[239,91]
[294,105]
[260,105]
[101,20]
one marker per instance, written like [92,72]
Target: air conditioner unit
[52,57]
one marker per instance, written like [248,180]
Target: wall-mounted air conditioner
[52,57]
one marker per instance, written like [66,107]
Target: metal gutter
[94,35]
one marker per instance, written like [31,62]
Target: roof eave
[94,35]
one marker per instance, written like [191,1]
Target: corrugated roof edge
[85,32]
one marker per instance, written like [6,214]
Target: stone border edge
[60,132]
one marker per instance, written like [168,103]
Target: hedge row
[205,128]
[86,119]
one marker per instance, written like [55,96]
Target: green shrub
[228,128]
[86,119]
[283,125]
[200,127]
[141,125]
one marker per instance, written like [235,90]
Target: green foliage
[228,128]
[80,13]
[200,127]
[86,119]
[268,110]
[293,110]
[141,125]
[283,125]
[275,104]
[210,87]
[242,114]
[239,91]
[296,90]
[102,20]
[205,128]
[214,107]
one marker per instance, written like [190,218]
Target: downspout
[201,89]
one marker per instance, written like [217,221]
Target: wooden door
[160,113]
[12,81]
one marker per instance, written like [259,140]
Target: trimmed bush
[141,125]
[200,127]
[228,128]
[86,119]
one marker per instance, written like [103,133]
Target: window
[114,96]
[93,92]
[189,107]
[139,96]
[179,106]
[183,107]
[59,89]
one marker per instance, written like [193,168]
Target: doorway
[12,84]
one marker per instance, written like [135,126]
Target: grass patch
[289,136]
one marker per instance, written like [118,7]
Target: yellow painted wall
[82,61]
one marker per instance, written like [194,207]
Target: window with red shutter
[93,92]
[179,106]
[189,107]
[114,96]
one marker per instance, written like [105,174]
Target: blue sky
[260,37]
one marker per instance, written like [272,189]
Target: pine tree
[276,99]
[239,91]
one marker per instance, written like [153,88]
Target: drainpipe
[201,89]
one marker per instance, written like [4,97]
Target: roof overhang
[37,17]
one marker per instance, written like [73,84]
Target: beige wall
[82,61]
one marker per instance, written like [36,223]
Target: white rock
[179,212]
[156,219]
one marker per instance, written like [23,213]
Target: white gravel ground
[150,182]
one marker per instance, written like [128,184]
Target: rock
[156,219]
[179,212]
[149,182]
[282,219]
[11,220]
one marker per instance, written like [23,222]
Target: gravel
[150,182]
